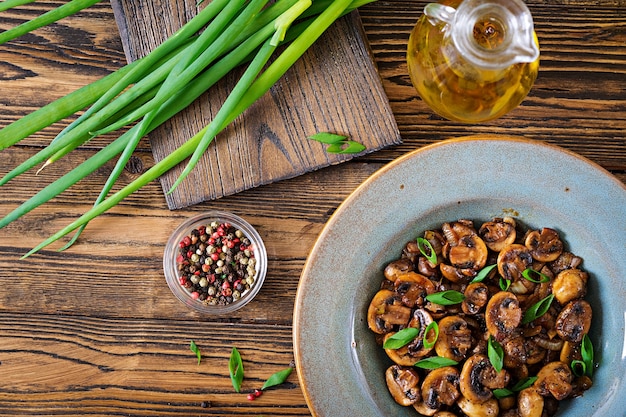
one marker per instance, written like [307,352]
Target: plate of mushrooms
[477,276]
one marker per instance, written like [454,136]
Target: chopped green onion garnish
[480,277]
[538,309]
[495,354]
[426,249]
[505,284]
[579,368]
[446,298]
[535,276]
[401,338]
[586,352]
[430,343]
[435,362]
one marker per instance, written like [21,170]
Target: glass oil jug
[473,60]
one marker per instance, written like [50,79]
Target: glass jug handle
[438,13]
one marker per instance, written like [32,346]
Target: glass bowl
[215,262]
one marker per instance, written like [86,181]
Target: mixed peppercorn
[216,263]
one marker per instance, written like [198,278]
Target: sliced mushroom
[403,384]
[454,274]
[569,285]
[569,352]
[441,387]
[554,379]
[503,315]
[567,260]
[455,338]
[529,403]
[512,261]
[453,232]
[478,377]
[413,288]
[415,350]
[398,267]
[544,245]
[515,351]
[476,297]
[488,408]
[498,233]
[469,252]
[387,312]
[574,321]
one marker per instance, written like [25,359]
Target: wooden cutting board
[335,88]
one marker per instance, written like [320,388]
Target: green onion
[535,276]
[495,354]
[522,384]
[446,298]
[277,378]
[579,368]
[538,309]
[235,368]
[435,362]
[426,249]
[68,9]
[337,143]
[9,4]
[586,352]
[504,284]
[194,348]
[480,277]
[401,338]
[148,89]
[430,343]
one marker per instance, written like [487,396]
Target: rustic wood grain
[94,331]
[334,87]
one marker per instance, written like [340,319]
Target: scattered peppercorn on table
[95,330]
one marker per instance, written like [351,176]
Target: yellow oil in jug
[459,94]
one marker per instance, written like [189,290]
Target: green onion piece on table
[235,368]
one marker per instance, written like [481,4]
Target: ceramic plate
[340,367]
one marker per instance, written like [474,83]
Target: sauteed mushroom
[554,379]
[478,378]
[503,315]
[403,384]
[529,403]
[413,288]
[441,387]
[574,321]
[476,297]
[498,233]
[567,260]
[512,261]
[455,338]
[469,252]
[544,245]
[569,285]
[386,312]
[398,267]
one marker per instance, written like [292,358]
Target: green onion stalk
[224,35]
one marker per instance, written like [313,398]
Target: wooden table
[95,330]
